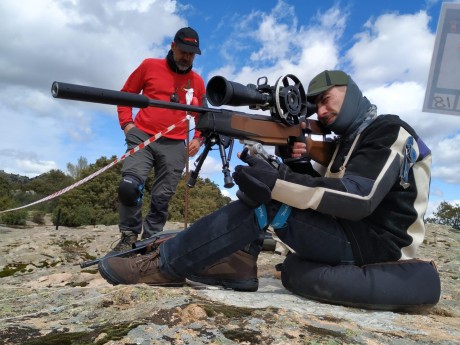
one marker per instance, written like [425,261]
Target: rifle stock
[264,130]
[320,151]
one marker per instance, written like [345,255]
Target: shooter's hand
[256,180]
[299,148]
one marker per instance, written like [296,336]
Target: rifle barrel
[105,96]
[138,247]
[124,253]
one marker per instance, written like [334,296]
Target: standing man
[168,79]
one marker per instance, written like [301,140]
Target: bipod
[223,142]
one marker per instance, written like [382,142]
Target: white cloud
[278,45]
[227,193]
[446,159]
[393,48]
[211,166]
[391,61]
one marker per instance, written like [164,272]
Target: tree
[203,199]
[42,186]
[96,201]
[76,170]
[447,214]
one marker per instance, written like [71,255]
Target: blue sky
[385,45]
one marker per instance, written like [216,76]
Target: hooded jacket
[376,186]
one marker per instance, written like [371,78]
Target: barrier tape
[100,171]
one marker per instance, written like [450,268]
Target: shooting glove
[256,180]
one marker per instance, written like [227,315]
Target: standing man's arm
[133,84]
[197,141]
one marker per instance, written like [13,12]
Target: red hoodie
[157,81]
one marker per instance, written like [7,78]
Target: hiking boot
[125,244]
[136,270]
[237,271]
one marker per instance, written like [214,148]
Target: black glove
[257,180]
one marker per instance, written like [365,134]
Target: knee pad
[130,190]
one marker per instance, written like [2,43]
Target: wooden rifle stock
[263,129]
[320,151]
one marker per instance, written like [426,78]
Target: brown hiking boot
[237,271]
[136,270]
[125,244]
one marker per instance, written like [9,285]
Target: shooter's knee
[131,190]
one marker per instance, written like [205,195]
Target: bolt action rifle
[286,101]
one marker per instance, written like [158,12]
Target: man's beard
[182,65]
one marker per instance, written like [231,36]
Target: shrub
[38,217]
[15,217]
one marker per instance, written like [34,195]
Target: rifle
[139,247]
[286,101]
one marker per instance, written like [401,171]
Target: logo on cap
[193,40]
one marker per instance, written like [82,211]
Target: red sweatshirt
[157,81]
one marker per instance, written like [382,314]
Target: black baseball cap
[324,81]
[187,39]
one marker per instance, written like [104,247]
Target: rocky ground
[46,298]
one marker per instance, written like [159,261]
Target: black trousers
[312,235]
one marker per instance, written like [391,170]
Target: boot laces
[125,239]
[145,262]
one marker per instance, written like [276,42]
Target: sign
[443,89]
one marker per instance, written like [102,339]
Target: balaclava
[354,108]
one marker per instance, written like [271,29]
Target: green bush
[109,219]
[96,201]
[38,217]
[15,217]
[78,215]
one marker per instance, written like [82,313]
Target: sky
[385,45]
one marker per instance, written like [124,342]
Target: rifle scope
[220,91]
[286,100]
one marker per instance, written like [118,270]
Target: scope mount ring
[290,100]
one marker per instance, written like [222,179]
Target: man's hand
[193,147]
[299,148]
[256,180]
[128,127]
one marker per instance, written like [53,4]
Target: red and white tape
[93,175]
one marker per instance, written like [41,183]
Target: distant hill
[14,178]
